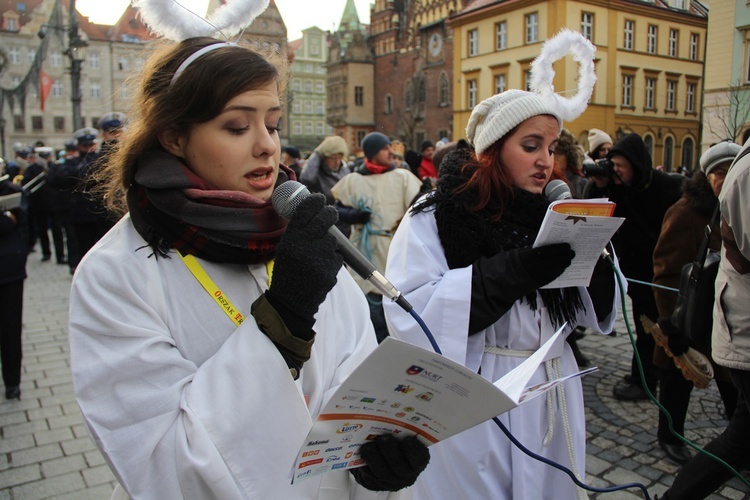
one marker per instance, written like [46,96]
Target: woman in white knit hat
[464,258]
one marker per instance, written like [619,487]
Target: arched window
[422,95]
[443,89]
[688,148]
[408,95]
[668,154]
[648,140]
[388,104]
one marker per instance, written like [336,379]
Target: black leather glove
[306,259]
[351,215]
[602,288]
[498,281]
[392,464]
[677,341]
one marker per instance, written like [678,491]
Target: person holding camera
[642,196]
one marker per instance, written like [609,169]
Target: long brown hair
[488,176]
[197,96]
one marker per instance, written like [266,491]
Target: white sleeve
[441,296]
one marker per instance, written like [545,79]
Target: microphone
[557,190]
[287,197]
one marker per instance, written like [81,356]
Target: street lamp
[77,48]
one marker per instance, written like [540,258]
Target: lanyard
[214,291]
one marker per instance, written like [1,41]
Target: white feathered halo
[542,73]
[170,20]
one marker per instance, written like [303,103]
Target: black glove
[602,288]
[351,215]
[306,259]
[498,281]
[392,464]
[678,343]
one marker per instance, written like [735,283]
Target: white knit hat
[723,152]
[597,138]
[494,117]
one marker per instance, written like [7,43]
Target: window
[388,104]
[671,92]
[361,135]
[500,83]
[11,24]
[422,91]
[408,95]
[690,101]
[627,91]
[14,55]
[444,89]
[687,153]
[532,28]
[668,153]
[359,96]
[296,85]
[59,123]
[320,87]
[124,93]
[314,50]
[96,90]
[123,64]
[57,89]
[319,108]
[501,36]
[308,107]
[308,86]
[18,123]
[308,128]
[673,34]
[653,30]
[93,60]
[527,80]
[56,59]
[31,55]
[37,123]
[320,128]
[473,42]
[627,42]
[587,25]
[308,67]
[648,141]
[650,88]
[296,107]
[471,94]
[694,41]
[296,128]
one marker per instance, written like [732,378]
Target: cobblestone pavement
[45,451]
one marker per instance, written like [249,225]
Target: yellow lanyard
[214,291]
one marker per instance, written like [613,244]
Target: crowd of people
[159,219]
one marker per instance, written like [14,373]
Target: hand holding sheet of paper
[587,225]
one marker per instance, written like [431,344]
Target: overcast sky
[297,14]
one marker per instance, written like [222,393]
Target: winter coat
[643,205]
[13,241]
[731,333]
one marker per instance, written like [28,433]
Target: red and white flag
[45,85]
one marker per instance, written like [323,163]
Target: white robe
[180,401]
[481,462]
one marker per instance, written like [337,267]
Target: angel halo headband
[542,73]
[168,19]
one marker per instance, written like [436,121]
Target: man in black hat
[44,205]
[112,126]
[290,156]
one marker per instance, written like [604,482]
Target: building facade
[413,47]
[350,65]
[649,65]
[726,110]
[307,90]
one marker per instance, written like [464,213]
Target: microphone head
[287,197]
[554,190]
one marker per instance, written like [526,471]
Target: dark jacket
[13,246]
[643,204]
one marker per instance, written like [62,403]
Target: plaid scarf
[171,207]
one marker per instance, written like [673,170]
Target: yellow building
[649,65]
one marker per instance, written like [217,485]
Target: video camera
[602,167]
